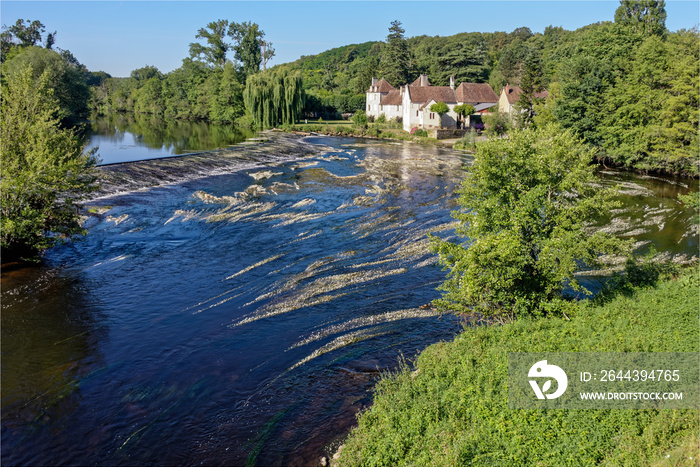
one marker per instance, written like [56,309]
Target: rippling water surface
[245,317]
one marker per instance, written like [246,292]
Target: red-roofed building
[413,101]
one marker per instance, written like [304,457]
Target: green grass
[451,407]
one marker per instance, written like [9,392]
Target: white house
[413,101]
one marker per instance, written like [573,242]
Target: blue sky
[118,37]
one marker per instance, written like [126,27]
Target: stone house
[412,102]
[510,95]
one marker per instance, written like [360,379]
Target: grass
[451,406]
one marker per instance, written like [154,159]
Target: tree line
[628,87]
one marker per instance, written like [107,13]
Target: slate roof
[392,98]
[437,93]
[513,94]
[475,93]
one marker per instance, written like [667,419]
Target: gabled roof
[475,93]
[382,86]
[437,93]
[392,98]
[513,94]
[417,81]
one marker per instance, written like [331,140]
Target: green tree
[441,109]
[395,64]
[525,210]
[646,17]
[250,47]
[274,97]
[20,35]
[531,83]
[44,172]
[66,79]
[213,53]
[464,110]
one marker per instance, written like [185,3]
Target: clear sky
[118,37]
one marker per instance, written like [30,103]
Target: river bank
[451,406]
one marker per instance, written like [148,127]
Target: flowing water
[243,317]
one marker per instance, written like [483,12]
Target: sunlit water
[244,317]
[134,137]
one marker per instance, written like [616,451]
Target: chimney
[374,81]
[452,83]
[423,79]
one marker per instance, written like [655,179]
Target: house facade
[510,95]
[412,102]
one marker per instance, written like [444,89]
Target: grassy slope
[452,409]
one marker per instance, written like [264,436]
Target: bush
[44,172]
[497,124]
[381,118]
[525,206]
[419,132]
[359,118]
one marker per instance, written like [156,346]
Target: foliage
[451,406]
[496,124]
[524,208]
[419,132]
[468,141]
[531,83]
[67,80]
[644,16]
[464,110]
[214,52]
[44,173]
[274,97]
[395,61]
[359,118]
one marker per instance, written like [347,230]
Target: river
[243,317]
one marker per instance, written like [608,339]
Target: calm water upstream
[244,317]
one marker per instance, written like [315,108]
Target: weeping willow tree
[274,97]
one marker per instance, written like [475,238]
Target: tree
[531,83]
[214,52]
[250,48]
[274,97]
[67,80]
[44,172]
[441,109]
[464,110]
[525,209]
[395,62]
[646,17]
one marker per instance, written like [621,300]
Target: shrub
[525,206]
[381,118]
[359,118]
[497,124]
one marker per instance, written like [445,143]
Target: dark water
[245,317]
[133,137]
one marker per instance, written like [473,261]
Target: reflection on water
[132,137]
[245,317]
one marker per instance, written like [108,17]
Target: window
[432,115]
[416,113]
